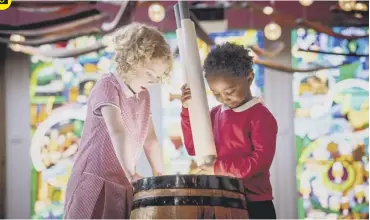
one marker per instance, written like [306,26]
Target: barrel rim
[174,181]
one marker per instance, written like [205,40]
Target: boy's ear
[250,78]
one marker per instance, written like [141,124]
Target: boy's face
[229,90]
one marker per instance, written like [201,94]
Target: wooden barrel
[189,197]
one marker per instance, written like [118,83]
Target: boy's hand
[185,95]
[206,170]
[156,173]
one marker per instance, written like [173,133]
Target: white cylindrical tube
[180,42]
[202,133]
[182,56]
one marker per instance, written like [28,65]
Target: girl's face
[150,74]
[231,91]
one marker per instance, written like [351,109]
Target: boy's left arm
[153,150]
[263,136]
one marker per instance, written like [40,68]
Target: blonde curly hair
[137,43]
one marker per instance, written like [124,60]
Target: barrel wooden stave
[189,197]
[188,212]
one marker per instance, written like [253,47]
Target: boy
[244,129]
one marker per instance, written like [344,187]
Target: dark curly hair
[228,59]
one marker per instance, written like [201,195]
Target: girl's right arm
[117,133]
[105,102]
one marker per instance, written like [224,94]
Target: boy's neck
[247,99]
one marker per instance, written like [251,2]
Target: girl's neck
[134,86]
[129,87]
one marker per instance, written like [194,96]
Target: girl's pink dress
[98,187]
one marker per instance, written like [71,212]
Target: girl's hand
[135,177]
[185,95]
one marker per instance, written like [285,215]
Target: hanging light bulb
[15,47]
[156,12]
[306,2]
[268,10]
[107,40]
[347,5]
[17,38]
[358,15]
[361,6]
[272,31]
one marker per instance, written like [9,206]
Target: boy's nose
[224,98]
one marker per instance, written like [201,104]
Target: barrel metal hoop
[189,201]
[190,182]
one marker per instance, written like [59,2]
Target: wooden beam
[275,50]
[3,50]
[49,39]
[122,18]
[57,53]
[69,26]
[48,23]
[286,19]
[276,66]
[41,4]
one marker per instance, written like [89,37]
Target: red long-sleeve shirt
[245,140]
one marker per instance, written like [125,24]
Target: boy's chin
[234,105]
[231,106]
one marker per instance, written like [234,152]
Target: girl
[244,129]
[118,126]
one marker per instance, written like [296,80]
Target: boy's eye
[230,92]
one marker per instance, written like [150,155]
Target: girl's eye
[150,74]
